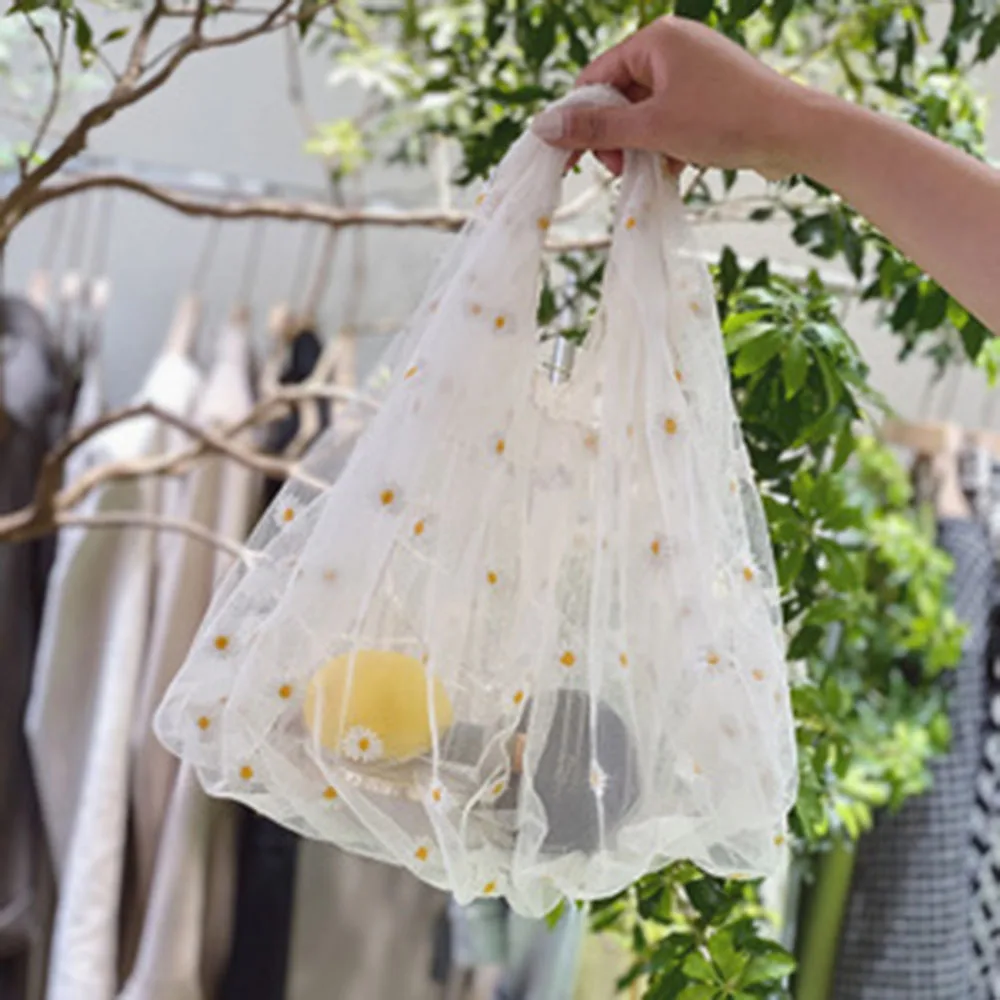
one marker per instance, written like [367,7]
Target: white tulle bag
[522,638]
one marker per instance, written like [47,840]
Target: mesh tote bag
[522,638]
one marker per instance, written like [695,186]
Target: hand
[698,98]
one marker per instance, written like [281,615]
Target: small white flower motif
[362,744]
[437,796]
[598,780]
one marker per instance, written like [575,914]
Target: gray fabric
[539,962]
[36,397]
[906,934]
[986,816]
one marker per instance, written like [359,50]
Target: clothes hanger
[71,283]
[98,286]
[282,324]
[338,355]
[187,315]
[241,311]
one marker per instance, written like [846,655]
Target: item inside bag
[372,711]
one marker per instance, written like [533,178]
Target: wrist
[809,128]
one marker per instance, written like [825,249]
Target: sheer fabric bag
[521,638]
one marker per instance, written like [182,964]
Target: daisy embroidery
[362,744]
[598,780]
[388,498]
[437,795]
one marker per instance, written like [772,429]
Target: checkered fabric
[906,933]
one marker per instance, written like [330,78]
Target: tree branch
[53,500]
[54,57]
[262,208]
[152,522]
[129,89]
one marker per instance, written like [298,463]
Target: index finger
[623,67]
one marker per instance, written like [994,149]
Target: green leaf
[932,309]
[795,366]
[761,214]
[697,967]
[114,36]
[906,307]
[727,959]
[989,40]
[758,353]
[494,23]
[708,897]
[697,10]
[776,965]
[742,9]
[737,321]
[554,915]
[780,10]
[83,37]
[729,272]
[974,335]
[698,991]
[759,275]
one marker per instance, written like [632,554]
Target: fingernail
[548,126]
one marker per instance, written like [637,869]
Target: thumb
[596,128]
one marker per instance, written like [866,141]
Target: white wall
[228,111]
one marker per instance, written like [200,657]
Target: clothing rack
[223,185]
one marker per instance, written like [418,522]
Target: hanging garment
[986,815]
[89,660]
[437,661]
[362,930]
[535,960]
[906,935]
[35,399]
[268,853]
[176,959]
[986,839]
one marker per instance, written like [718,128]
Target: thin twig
[54,57]
[52,499]
[153,522]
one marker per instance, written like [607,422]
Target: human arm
[699,98]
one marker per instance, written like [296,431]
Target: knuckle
[586,126]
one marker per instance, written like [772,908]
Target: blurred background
[269,188]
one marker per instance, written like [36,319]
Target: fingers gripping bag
[522,638]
